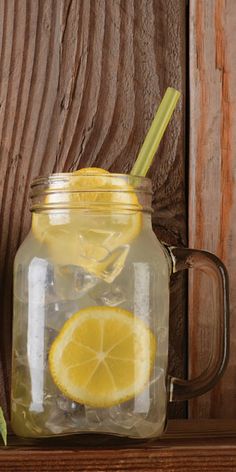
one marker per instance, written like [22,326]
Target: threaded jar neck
[108,192]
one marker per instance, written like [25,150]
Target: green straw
[155,133]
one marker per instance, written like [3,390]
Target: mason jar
[91,311]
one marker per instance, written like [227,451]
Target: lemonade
[90,337]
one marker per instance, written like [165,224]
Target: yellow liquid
[51,284]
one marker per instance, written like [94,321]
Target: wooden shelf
[187,445]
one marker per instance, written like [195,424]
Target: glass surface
[71,260]
[91,312]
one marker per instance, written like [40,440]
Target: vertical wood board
[212,191]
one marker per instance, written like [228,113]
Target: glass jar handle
[183,258]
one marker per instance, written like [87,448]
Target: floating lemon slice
[93,239]
[102,356]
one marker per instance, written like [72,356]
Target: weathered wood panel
[80,81]
[212,197]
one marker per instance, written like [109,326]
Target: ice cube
[68,406]
[112,265]
[107,294]
[59,424]
[100,252]
[96,416]
[55,425]
[124,414]
[56,314]
[62,414]
[72,282]
[56,421]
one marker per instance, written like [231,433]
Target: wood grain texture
[80,81]
[212,199]
[188,445]
[193,459]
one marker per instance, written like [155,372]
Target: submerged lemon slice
[89,238]
[102,356]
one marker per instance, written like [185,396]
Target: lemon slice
[91,171]
[89,238]
[102,356]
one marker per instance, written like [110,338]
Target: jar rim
[60,190]
[143,182]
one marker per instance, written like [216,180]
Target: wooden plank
[187,445]
[212,200]
[196,460]
[79,84]
[193,459]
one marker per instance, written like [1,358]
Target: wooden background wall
[212,188]
[80,81]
